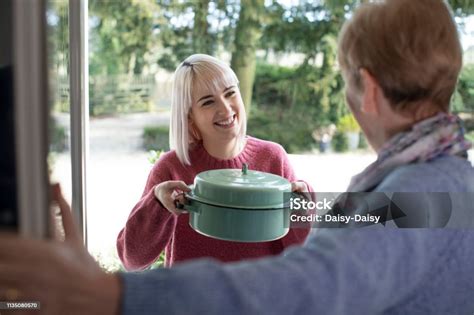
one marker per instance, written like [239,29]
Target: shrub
[347,123]
[292,129]
[292,102]
[340,142]
[463,100]
[154,156]
[470,136]
[156,138]
[363,142]
[159,262]
[273,85]
[58,138]
[468,121]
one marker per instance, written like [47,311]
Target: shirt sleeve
[149,227]
[338,271]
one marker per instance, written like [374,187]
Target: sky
[467,36]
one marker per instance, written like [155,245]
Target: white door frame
[79,95]
[31,112]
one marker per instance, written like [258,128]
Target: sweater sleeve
[331,274]
[287,169]
[149,226]
[298,233]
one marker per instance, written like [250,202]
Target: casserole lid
[246,189]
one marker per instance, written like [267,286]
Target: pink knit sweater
[150,228]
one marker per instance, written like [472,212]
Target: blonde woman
[208,131]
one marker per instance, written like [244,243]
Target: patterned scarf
[440,135]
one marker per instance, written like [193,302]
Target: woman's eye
[230,93]
[207,103]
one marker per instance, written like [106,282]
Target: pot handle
[187,207]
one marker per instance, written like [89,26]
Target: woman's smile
[226,123]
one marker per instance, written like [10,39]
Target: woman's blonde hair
[411,47]
[198,72]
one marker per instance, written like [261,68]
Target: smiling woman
[208,126]
[217,118]
[212,110]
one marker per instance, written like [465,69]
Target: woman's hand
[170,192]
[301,189]
[61,276]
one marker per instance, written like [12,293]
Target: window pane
[127,96]
[58,66]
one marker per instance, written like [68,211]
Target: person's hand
[65,225]
[301,189]
[171,192]
[61,276]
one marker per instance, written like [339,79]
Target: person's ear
[370,94]
[192,128]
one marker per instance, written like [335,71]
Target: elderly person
[400,60]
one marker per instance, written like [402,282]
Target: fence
[119,94]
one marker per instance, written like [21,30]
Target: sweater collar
[199,155]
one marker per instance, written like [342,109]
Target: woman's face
[217,116]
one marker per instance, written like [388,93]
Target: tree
[122,34]
[247,35]
[311,29]
[462,8]
[58,36]
[182,36]
[201,40]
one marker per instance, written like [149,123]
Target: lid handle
[245,168]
